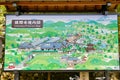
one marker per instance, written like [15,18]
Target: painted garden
[63,44]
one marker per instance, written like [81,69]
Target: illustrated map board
[61,42]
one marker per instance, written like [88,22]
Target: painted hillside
[75,44]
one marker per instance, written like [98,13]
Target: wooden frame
[56,6]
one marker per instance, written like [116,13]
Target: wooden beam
[48,76]
[60,3]
[30,3]
[56,5]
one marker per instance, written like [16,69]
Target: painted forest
[63,44]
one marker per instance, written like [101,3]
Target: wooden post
[84,75]
[48,76]
[16,75]
[107,75]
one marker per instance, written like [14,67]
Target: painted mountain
[65,42]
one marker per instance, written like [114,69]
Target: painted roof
[25,45]
[51,45]
[103,45]
[90,44]
[94,42]
[39,41]
[58,45]
[64,43]
[53,39]
[72,58]
[64,57]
